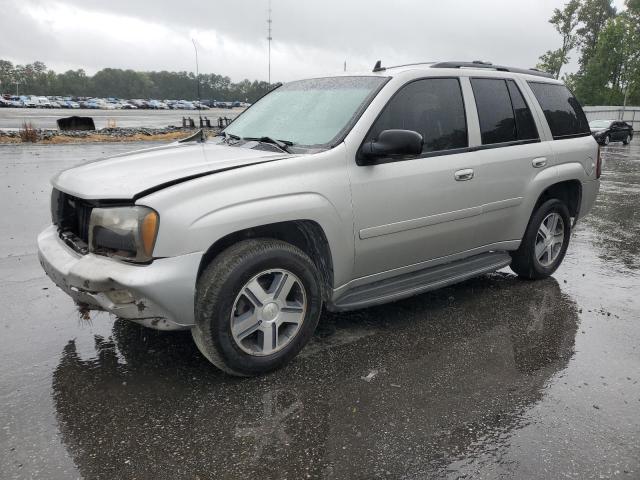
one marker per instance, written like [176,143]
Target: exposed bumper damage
[159,295]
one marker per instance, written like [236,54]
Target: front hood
[130,175]
[598,130]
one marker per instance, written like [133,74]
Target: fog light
[120,296]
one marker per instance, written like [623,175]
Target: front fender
[195,214]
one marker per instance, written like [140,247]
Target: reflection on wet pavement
[492,378]
[130,394]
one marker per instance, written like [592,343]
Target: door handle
[462,175]
[539,162]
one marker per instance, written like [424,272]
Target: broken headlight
[128,233]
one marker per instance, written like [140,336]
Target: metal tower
[269,38]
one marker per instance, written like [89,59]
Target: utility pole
[345,65]
[269,38]
[17,83]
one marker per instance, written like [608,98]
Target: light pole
[269,38]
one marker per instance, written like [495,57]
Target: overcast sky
[309,37]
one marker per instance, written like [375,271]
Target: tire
[227,284]
[607,140]
[627,140]
[525,263]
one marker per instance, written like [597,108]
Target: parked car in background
[158,105]
[30,102]
[43,102]
[607,131]
[366,190]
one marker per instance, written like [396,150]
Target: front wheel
[607,140]
[627,140]
[544,243]
[257,304]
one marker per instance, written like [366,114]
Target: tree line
[36,79]
[608,46]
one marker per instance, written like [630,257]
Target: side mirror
[393,142]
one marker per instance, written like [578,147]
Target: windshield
[307,112]
[600,123]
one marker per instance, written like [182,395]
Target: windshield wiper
[231,136]
[281,144]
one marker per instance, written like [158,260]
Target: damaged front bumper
[159,295]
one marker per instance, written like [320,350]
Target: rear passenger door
[510,155]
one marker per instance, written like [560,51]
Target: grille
[71,215]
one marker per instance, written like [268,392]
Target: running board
[421,281]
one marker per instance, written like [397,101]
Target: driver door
[412,209]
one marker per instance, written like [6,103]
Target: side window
[525,124]
[432,107]
[561,109]
[497,122]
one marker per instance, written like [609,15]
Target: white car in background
[30,102]
[42,102]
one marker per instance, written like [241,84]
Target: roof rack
[491,66]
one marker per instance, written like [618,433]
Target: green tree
[6,76]
[613,67]
[37,79]
[565,22]
[593,16]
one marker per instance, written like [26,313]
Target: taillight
[599,163]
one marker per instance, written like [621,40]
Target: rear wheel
[627,140]
[257,305]
[545,241]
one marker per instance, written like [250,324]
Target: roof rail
[491,66]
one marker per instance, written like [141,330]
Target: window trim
[559,137]
[361,162]
[451,151]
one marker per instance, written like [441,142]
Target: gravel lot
[13,118]
[492,378]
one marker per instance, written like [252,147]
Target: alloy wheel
[549,239]
[268,312]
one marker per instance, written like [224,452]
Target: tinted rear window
[561,109]
[504,115]
[524,119]
[497,122]
[432,107]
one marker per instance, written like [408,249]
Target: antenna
[269,38]
[198,90]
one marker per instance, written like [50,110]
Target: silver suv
[339,192]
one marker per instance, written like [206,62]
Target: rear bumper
[159,295]
[590,191]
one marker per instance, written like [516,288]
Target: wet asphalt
[491,378]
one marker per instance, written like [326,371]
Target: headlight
[125,232]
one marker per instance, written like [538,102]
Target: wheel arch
[307,235]
[568,191]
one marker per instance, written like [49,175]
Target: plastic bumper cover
[159,295]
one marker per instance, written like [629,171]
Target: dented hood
[130,175]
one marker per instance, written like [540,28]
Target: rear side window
[432,107]
[561,109]
[524,119]
[497,122]
[504,115]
